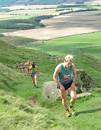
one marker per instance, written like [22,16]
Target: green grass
[16,113]
[8,78]
[85,43]
[18,41]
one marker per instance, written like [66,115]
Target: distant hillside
[47,2]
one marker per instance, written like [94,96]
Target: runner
[65,76]
[34,74]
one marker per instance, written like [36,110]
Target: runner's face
[68,62]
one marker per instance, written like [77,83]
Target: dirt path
[64,25]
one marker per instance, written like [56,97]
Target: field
[63,25]
[82,18]
[17,110]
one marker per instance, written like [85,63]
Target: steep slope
[17,114]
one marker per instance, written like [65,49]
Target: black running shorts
[67,84]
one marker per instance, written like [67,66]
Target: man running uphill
[34,74]
[65,76]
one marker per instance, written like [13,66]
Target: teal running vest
[65,74]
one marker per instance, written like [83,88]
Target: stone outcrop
[84,81]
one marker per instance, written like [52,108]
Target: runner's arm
[55,75]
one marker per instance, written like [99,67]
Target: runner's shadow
[88,111]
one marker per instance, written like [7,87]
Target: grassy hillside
[89,44]
[85,47]
[8,78]
[16,112]
[14,55]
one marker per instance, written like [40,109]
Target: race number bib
[65,77]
